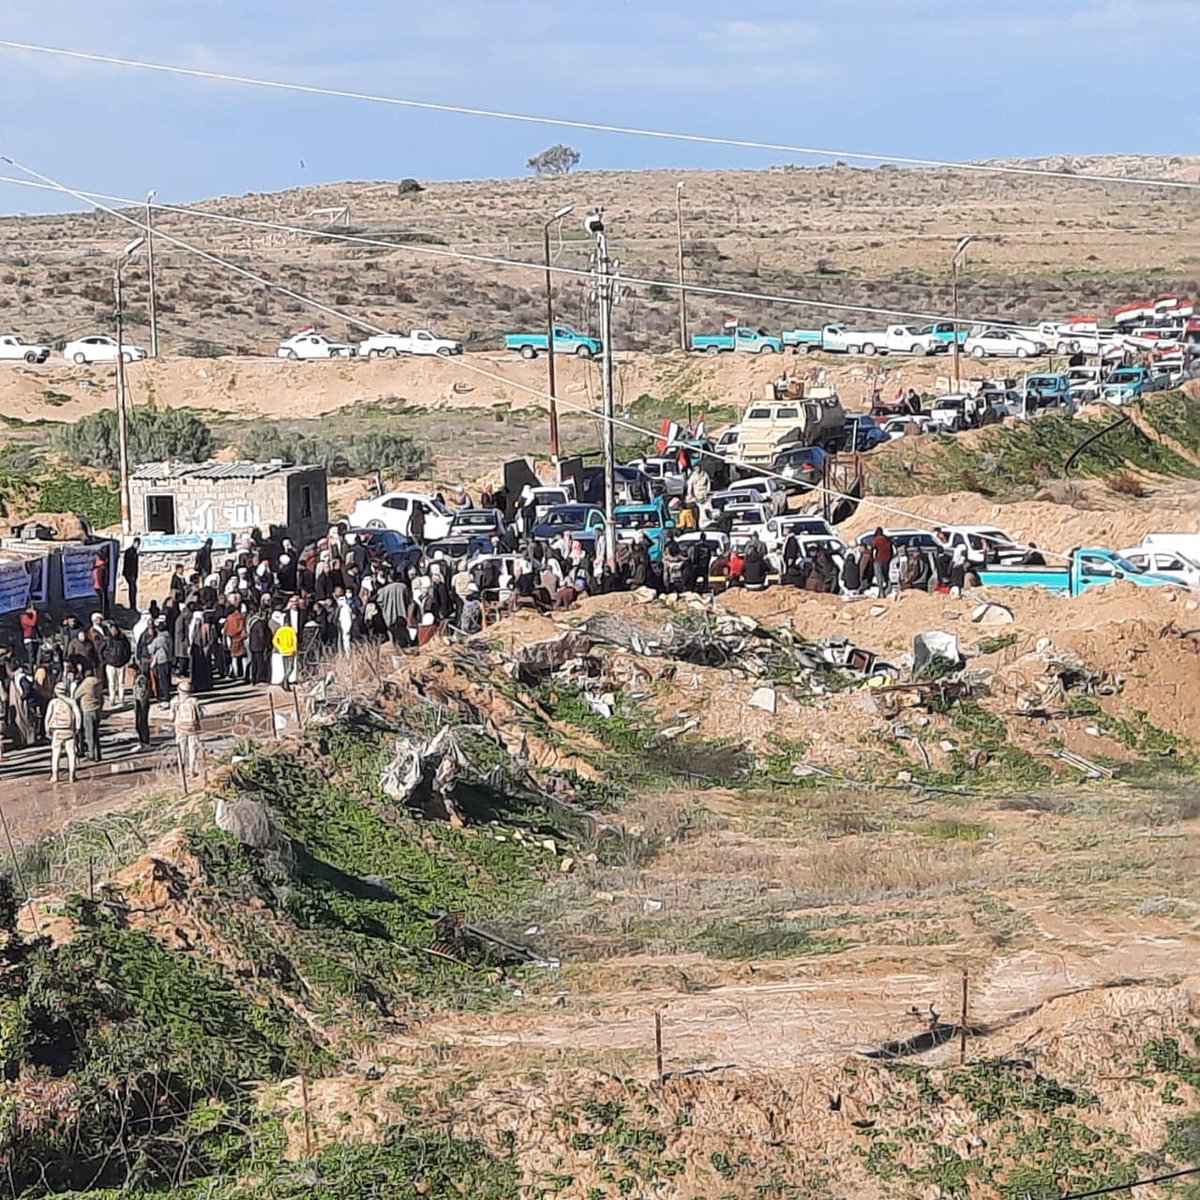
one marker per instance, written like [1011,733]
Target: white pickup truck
[895,339]
[419,341]
[17,349]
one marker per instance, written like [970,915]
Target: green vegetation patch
[127,1062]
[154,435]
[395,454]
[371,888]
[1038,1136]
[634,751]
[778,938]
[1009,461]
[28,484]
[983,755]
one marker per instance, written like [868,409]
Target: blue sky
[930,78]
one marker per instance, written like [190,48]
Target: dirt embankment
[247,387]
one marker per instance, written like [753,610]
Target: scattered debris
[674,731]
[1091,769]
[764,698]
[992,614]
[422,776]
[539,659]
[936,650]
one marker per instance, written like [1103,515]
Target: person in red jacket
[100,582]
[31,635]
[882,553]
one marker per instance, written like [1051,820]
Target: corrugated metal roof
[164,471]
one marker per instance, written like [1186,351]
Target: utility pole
[605,296]
[558,216]
[150,264]
[959,250]
[122,432]
[683,337]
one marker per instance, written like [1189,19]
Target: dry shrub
[1126,484]
[1067,492]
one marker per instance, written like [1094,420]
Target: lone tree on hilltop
[555,160]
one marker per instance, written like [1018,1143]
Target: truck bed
[1053,579]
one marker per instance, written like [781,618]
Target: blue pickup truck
[1087,568]
[566,341]
[745,339]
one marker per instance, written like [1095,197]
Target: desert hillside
[878,237]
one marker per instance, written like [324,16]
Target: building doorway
[160,514]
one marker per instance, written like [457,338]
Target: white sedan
[1001,343]
[16,349]
[99,349]
[800,525]
[394,510]
[911,426]
[1165,562]
[314,345]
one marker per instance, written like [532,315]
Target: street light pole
[150,264]
[122,432]
[683,337]
[558,216]
[959,250]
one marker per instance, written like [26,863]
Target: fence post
[962,1026]
[658,1049]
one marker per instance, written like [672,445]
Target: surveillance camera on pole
[606,291]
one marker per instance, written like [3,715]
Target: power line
[460,363]
[590,126]
[498,261]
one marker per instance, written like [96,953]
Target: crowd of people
[266,611]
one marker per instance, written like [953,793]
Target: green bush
[395,454]
[154,436]
[202,348]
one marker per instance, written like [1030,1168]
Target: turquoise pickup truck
[566,341]
[1128,383]
[743,340]
[807,341]
[1087,568]
[944,332]
[635,521]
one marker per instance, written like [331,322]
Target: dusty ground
[57,391]
[782,931]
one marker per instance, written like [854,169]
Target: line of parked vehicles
[307,344]
[1160,327]
[753,508]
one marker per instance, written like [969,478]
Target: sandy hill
[877,237]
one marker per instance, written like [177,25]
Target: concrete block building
[198,499]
